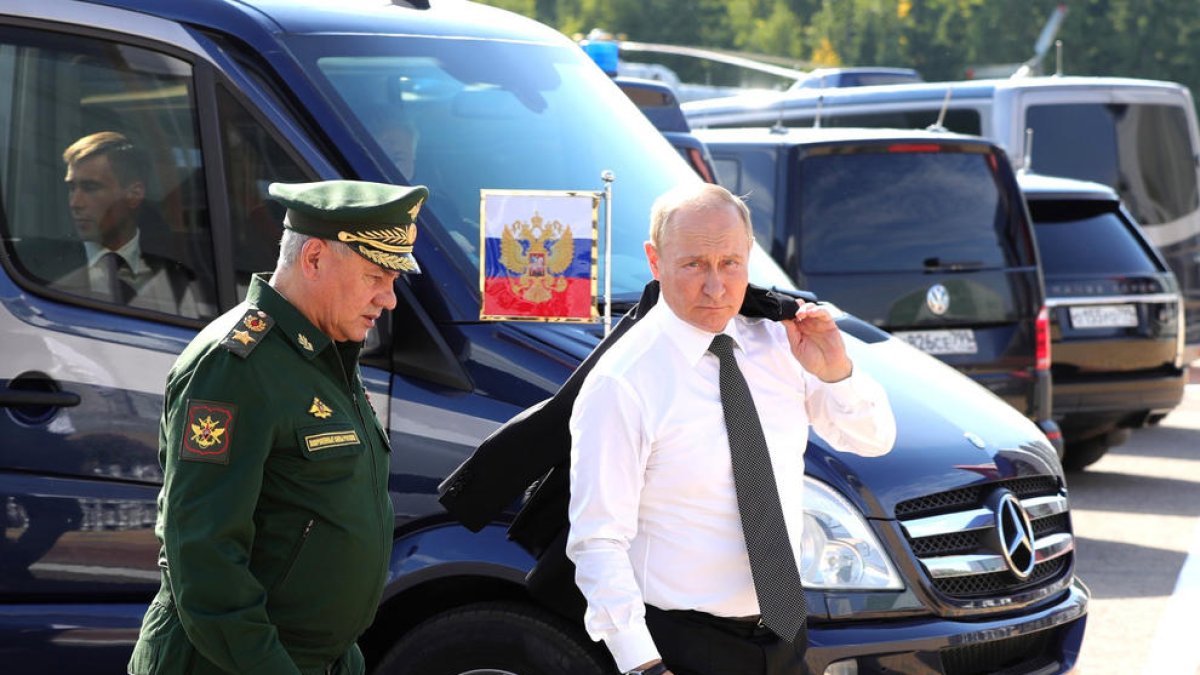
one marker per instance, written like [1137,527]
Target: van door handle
[15,398]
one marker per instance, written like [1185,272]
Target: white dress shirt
[654,515]
[152,290]
[131,253]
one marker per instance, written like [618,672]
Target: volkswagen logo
[937,299]
[1013,533]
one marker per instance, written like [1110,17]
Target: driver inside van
[106,183]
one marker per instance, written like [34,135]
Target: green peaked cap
[376,220]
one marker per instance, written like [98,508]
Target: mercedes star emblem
[1014,533]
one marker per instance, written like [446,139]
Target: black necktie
[772,562]
[119,290]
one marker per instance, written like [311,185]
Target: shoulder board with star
[248,332]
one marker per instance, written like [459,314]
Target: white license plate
[953,341]
[1104,316]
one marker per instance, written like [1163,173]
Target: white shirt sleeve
[609,452]
[853,415]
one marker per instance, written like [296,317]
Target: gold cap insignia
[243,337]
[304,341]
[319,409]
[392,239]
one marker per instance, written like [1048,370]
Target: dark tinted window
[253,160]
[904,211]
[1142,151]
[1075,238]
[102,175]
[751,175]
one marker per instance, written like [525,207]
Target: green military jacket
[274,516]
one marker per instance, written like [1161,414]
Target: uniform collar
[691,341]
[296,328]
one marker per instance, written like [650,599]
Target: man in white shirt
[656,534]
[106,184]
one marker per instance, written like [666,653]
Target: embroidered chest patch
[331,439]
[207,432]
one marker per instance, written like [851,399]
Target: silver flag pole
[608,177]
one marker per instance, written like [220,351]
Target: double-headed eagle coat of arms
[537,253]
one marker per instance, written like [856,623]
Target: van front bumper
[1045,641]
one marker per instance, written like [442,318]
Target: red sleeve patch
[208,432]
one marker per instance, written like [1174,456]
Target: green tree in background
[1158,39]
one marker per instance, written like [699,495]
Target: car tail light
[1043,339]
[697,161]
[914,147]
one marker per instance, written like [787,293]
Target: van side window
[102,179]
[253,160]
[1142,151]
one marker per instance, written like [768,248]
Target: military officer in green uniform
[274,515]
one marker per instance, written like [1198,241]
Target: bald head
[693,197]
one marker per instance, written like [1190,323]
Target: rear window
[1087,239]
[885,211]
[1144,152]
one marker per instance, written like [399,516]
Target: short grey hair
[701,195]
[293,242]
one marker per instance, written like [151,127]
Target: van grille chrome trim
[1047,549]
[980,519]
[955,537]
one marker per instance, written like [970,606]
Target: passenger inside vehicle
[106,178]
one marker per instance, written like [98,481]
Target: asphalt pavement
[1136,515]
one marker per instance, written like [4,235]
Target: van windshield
[881,211]
[464,115]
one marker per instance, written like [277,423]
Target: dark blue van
[907,572]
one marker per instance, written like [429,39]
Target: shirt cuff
[846,392]
[632,646]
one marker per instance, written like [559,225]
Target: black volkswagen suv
[1115,316]
[922,234]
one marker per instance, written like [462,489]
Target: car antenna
[820,103]
[939,125]
[779,128]
[1058,58]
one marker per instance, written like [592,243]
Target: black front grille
[1001,583]
[1051,525]
[970,497]
[955,543]
[1020,654]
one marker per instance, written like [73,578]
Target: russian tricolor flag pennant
[538,254]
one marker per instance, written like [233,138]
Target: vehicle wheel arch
[456,586]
